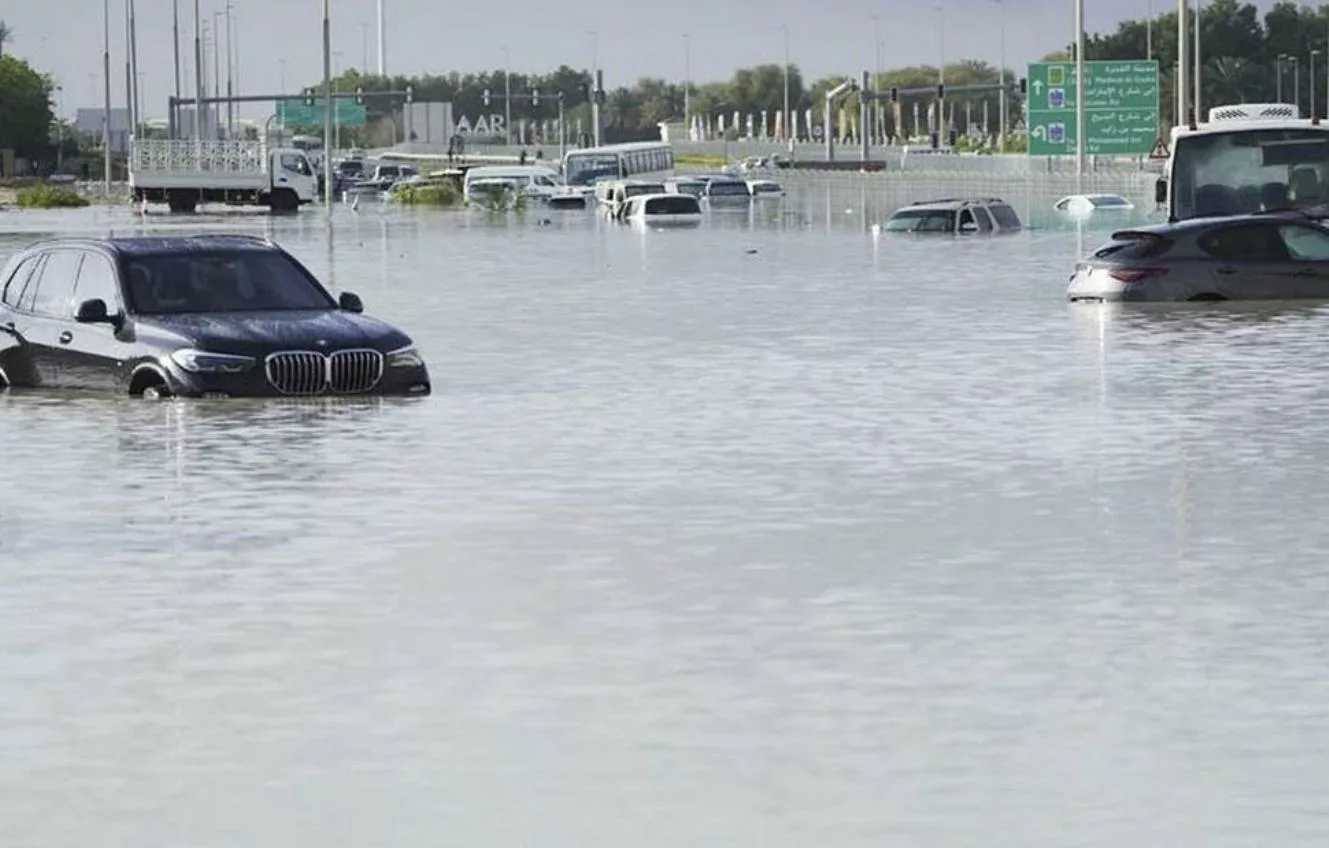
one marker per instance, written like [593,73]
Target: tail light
[1135,275]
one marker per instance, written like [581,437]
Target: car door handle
[1227,270]
[66,337]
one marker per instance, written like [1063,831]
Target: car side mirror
[94,312]
[1160,191]
[350,302]
[968,227]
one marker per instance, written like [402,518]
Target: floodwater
[759,534]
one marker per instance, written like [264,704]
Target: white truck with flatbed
[184,173]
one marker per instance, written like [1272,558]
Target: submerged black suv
[195,316]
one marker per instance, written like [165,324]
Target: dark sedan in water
[196,316]
[1282,255]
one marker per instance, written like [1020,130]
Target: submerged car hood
[255,333]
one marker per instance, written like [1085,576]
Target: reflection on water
[765,532]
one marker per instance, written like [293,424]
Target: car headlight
[405,357]
[205,362]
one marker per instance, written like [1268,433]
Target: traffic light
[410,94]
[484,97]
[360,95]
[1024,85]
[941,91]
[309,97]
[895,94]
[535,97]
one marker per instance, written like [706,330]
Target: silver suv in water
[974,216]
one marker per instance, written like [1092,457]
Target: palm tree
[5,35]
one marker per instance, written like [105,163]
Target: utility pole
[133,66]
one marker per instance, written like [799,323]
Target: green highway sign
[1120,107]
[294,113]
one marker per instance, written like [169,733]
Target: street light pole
[1198,65]
[787,116]
[876,76]
[1149,33]
[1278,77]
[216,69]
[687,85]
[507,97]
[1315,109]
[106,113]
[327,105]
[1001,77]
[198,71]
[230,74]
[1183,37]
[1296,80]
[133,64]
[1080,122]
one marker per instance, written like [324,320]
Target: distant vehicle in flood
[952,216]
[663,210]
[1079,205]
[191,316]
[1265,256]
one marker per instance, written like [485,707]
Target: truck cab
[1250,157]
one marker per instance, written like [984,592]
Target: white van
[535,181]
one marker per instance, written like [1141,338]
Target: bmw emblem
[321,343]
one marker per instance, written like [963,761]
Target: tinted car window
[54,294]
[234,281]
[679,204]
[1249,243]
[1005,215]
[16,284]
[983,219]
[96,281]
[1307,243]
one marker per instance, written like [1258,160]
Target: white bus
[638,160]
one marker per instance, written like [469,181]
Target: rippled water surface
[759,534]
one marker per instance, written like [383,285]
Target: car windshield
[638,189]
[1249,171]
[724,188]
[220,281]
[922,221]
[586,169]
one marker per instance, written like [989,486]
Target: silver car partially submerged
[1281,255]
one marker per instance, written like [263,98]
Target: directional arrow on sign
[1038,86]
[1039,132]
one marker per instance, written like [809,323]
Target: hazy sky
[635,37]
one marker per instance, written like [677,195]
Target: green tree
[6,35]
[25,108]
